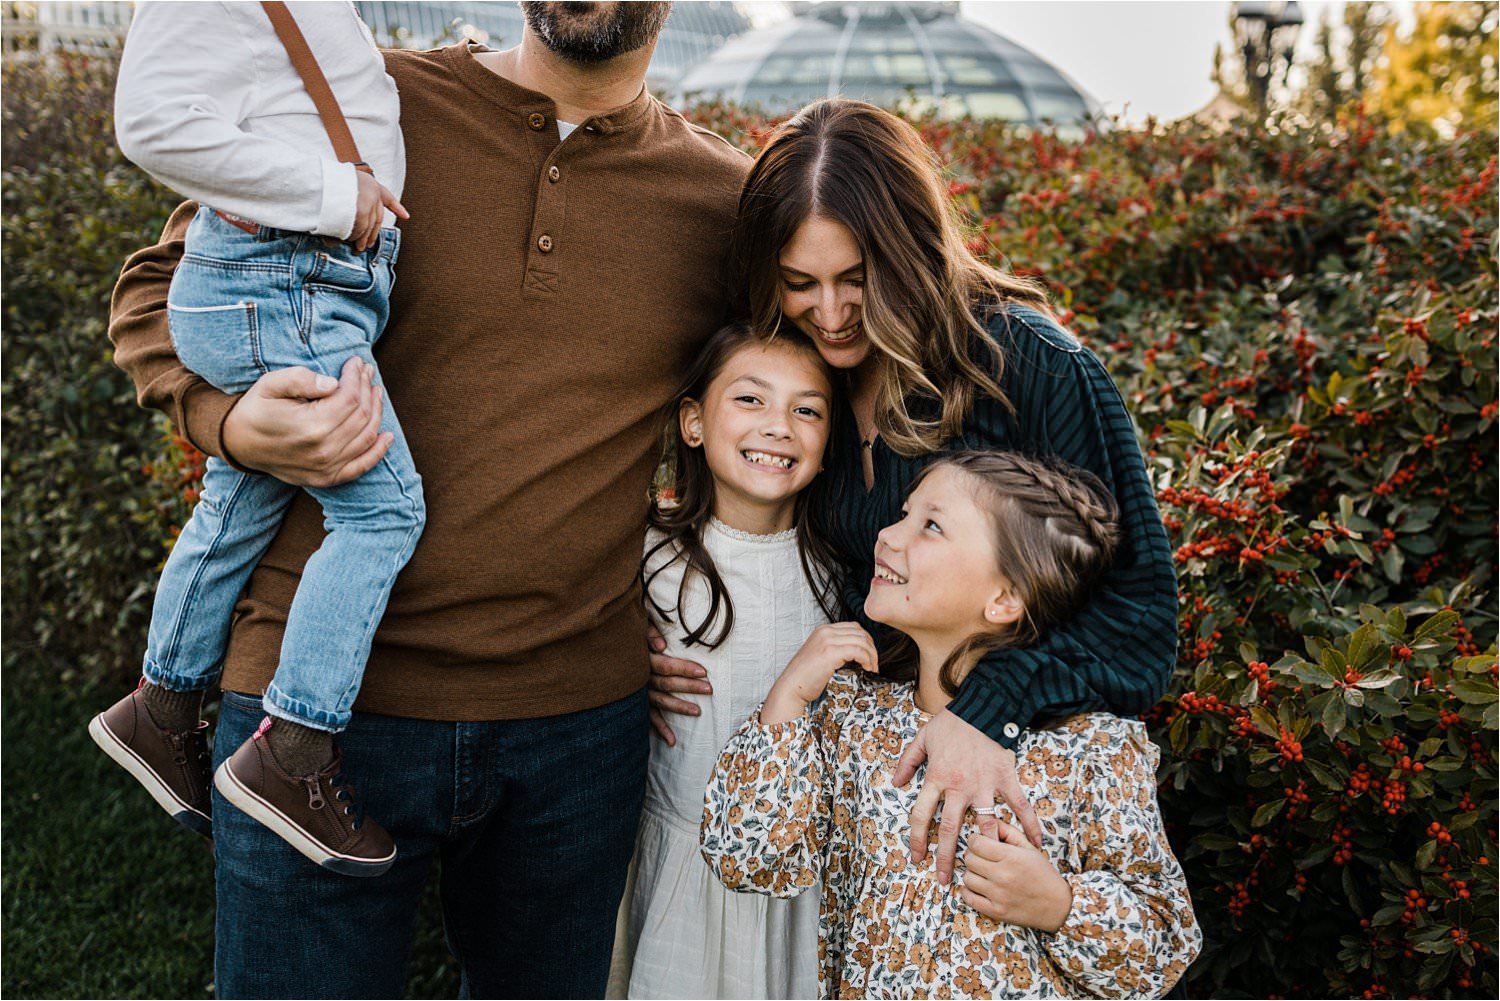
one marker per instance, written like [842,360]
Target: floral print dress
[792,803]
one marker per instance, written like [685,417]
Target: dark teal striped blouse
[1117,653]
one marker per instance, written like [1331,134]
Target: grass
[103,896]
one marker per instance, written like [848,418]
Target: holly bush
[1303,323]
[82,528]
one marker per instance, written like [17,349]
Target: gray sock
[299,750]
[172,710]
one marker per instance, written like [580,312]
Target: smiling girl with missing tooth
[992,550]
[737,580]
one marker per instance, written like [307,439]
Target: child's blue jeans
[243,304]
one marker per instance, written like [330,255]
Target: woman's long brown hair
[682,523]
[927,299]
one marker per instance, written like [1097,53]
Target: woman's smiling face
[822,290]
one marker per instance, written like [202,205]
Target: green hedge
[83,529]
[1304,325]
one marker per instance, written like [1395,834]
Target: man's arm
[294,424]
[143,345]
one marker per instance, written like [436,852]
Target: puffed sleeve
[768,811]
[1131,931]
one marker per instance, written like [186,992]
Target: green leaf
[1267,812]
[1474,692]
[1396,623]
[1392,561]
[1364,646]
[1335,717]
[1315,674]
[1380,678]
[1324,775]
[1463,821]
[1333,663]
[1177,734]
[1440,624]
[1265,722]
[1379,702]
[1217,842]
[1425,854]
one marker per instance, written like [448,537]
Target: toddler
[279,126]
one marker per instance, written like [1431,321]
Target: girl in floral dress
[992,549]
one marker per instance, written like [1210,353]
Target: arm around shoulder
[1118,651]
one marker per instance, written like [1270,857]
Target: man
[561,266]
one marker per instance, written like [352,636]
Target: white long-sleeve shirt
[209,104]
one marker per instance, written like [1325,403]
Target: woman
[846,236]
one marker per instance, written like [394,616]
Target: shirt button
[537,122]
[1011,730]
[544,243]
[553,174]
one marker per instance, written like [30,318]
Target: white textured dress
[683,935]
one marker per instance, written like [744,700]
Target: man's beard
[578,33]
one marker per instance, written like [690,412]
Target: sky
[1138,58]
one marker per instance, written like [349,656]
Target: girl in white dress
[736,581]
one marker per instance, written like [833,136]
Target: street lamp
[1267,36]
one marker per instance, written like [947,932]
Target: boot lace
[344,793]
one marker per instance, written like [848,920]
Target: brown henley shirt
[548,297]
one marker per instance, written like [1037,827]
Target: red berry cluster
[1289,746]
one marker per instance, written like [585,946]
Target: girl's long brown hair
[927,299]
[1055,529]
[682,523]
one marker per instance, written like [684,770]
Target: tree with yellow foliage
[1442,74]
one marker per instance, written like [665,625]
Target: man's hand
[965,770]
[1010,881]
[671,676]
[309,430]
[369,211]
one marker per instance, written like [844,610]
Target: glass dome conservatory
[917,55]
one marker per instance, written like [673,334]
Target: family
[904,583]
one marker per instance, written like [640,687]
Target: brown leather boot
[171,764]
[316,813]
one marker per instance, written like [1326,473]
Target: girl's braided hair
[1056,530]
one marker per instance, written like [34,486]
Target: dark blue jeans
[533,822]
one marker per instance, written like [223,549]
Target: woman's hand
[671,676]
[965,771]
[307,429]
[1011,881]
[830,647]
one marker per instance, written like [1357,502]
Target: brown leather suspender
[316,83]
